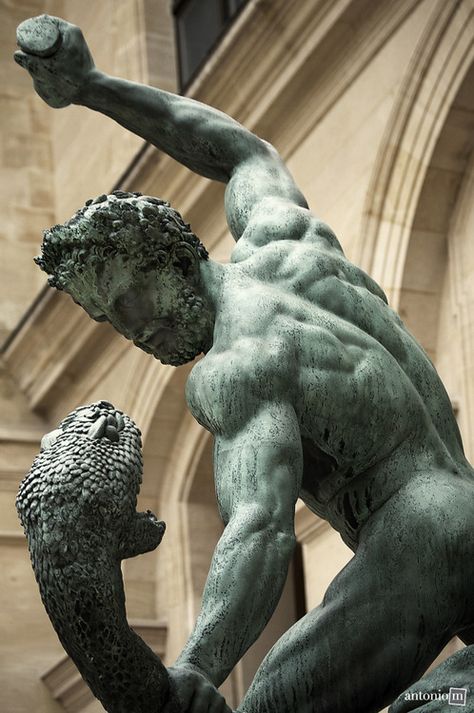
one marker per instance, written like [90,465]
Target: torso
[300,320]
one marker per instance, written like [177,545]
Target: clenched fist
[196,693]
[56,55]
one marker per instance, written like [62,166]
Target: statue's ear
[185,259]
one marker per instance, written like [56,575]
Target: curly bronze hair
[128,224]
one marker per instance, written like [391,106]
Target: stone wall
[50,163]
[27,202]
[132,39]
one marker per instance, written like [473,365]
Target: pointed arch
[438,67]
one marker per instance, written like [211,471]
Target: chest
[229,385]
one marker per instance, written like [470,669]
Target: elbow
[267,528]
[281,541]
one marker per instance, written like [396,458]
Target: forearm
[202,138]
[244,584]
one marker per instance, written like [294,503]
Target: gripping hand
[56,55]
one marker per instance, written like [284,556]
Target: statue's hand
[56,55]
[196,693]
[431,694]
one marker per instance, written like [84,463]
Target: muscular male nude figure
[312,388]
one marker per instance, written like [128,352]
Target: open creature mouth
[107,426]
[104,419]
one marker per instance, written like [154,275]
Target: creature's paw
[449,685]
[145,535]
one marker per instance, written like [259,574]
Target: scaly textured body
[78,508]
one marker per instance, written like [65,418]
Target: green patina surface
[312,388]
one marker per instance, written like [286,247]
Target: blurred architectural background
[371,103]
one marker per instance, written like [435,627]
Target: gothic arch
[159,408]
[438,67]
[171,439]
[430,246]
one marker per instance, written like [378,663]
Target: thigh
[382,622]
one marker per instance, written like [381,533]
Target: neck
[213,275]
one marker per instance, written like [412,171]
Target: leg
[383,620]
[455,672]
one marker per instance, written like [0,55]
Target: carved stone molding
[20,435]
[10,479]
[438,66]
[320,50]
[9,537]
[308,526]
[51,348]
[17,450]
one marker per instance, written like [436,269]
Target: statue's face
[163,311]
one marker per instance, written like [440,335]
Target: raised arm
[205,140]
[258,474]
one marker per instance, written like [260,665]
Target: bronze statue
[312,388]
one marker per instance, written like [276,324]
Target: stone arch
[158,406]
[204,526]
[173,443]
[438,67]
[412,210]
[160,413]
[454,347]
[436,298]
[429,250]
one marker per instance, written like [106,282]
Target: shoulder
[277,219]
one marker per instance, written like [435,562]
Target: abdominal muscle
[371,409]
[365,429]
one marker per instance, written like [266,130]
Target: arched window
[200,24]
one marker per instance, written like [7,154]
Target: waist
[347,499]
